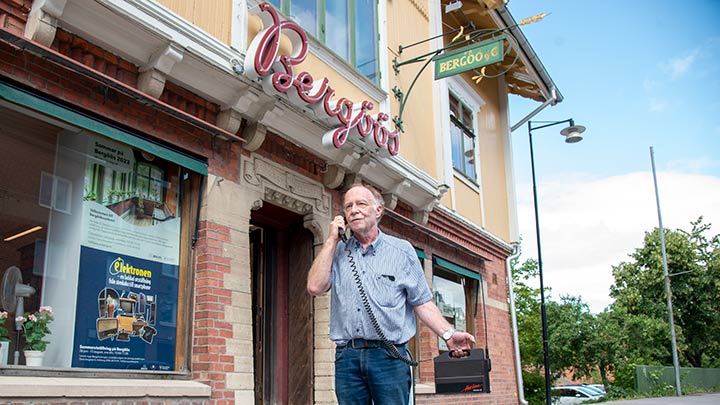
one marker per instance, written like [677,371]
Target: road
[699,399]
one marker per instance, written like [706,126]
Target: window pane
[305,13]
[457,147]
[337,24]
[366,39]
[453,106]
[469,155]
[275,3]
[467,118]
[450,299]
[109,264]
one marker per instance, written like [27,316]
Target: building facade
[170,168]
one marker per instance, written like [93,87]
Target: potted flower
[35,328]
[4,341]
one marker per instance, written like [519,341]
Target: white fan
[13,291]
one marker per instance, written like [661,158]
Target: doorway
[281,252]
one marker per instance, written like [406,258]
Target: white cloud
[589,226]
[679,66]
[656,104]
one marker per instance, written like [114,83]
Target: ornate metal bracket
[473,36]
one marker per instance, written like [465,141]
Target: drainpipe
[551,101]
[513,318]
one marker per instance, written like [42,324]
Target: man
[366,371]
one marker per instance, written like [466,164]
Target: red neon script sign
[262,61]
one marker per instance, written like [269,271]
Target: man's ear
[379,211]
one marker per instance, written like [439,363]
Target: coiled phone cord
[394,352]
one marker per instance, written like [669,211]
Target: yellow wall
[492,160]
[407,24]
[468,202]
[213,16]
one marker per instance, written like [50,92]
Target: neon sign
[262,61]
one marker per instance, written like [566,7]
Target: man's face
[360,209]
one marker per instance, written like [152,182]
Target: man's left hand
[459,343]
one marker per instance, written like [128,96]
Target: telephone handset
[344,233]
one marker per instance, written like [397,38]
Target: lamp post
[572,135]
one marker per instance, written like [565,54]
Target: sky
[637,74]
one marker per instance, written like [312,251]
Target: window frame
[457,86]
[470,174]
[471,284]
[321,38]
[65,118]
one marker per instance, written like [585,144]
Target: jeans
[371,375]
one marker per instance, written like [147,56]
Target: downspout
[551,101]
[513,318]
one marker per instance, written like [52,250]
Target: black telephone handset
[343,233]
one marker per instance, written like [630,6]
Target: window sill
[468,182]
[52,387]
[424,389]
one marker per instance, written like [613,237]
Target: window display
[94,226]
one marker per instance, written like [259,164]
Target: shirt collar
[373,247]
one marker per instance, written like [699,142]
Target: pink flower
[20,319]
[46,310]
[32,317]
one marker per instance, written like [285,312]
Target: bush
[534,384]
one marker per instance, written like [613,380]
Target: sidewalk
[698,399]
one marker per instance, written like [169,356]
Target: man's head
[363,207]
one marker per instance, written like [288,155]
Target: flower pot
[34,358]
[4,350]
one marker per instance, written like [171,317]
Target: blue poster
[126,312]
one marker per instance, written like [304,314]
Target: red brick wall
[499,334]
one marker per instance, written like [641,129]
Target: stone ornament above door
[284,188]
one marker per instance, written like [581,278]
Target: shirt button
[358,309]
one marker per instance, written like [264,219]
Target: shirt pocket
[387,291]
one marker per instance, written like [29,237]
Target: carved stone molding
[254,135]
[421,216]
[392,195]
[314,226]
[151,82]
[41,25]
[153,74]
[334,176]
[285,188]
[229,120]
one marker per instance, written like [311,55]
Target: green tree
[639,292]
[579,341]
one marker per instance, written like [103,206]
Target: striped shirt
[394,283]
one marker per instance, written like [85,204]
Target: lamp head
[452,6]
[573,133]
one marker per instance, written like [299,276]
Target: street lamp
[572,134]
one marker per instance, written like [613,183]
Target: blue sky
[636,74]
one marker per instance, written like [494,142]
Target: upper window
[462,138]
[347,27]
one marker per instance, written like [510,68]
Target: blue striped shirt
[394,283]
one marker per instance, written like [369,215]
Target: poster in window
[119,321]
[129,260]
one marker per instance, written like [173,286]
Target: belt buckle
[363,346]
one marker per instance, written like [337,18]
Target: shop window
[462,138]
[455,290]
[348,27]
[105,251]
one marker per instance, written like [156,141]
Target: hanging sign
[469,58]
[262,61]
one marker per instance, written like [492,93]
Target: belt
[366,344]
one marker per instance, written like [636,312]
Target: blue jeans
[371,375]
